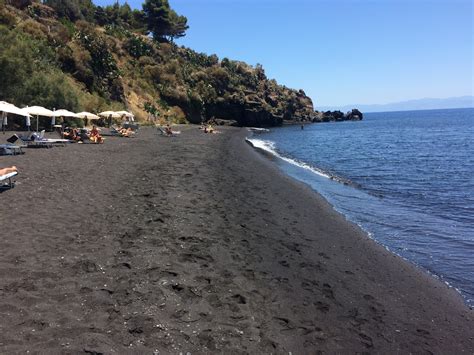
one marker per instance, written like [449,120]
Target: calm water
[406,177]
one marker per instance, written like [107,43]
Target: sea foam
[270,147]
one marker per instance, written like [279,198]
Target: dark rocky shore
[199,244]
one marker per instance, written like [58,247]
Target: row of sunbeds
[16,143]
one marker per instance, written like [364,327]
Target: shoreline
[199,243]
[282,161]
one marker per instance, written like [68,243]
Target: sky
[341,51]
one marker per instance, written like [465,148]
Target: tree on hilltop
[162,21]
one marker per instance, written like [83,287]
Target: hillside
[75,55]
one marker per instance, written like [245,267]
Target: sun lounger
[37,140]
[132,126]
[10,149]
[7,177]
[166,134]
[114,132]
[39,144]
[57,141]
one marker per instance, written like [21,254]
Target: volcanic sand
[199,244]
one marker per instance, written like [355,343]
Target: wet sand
[199,244]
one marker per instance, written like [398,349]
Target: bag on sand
[13,139]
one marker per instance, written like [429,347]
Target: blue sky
[341,51]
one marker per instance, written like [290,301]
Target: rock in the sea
[354,115]
[328,116]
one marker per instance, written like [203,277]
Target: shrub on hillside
[138,47]
[6,18]
[49,89]
[219,78]
[34,29]
[102,63]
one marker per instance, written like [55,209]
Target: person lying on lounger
[95,136]
[126,132]
[8,170]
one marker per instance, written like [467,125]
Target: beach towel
[6,151]
[7,177]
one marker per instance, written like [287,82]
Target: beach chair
[133,126]
[114,132]
[34,140]
[53,141]
[163,132]
[10,149]
[6,180]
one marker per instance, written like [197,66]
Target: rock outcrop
[354,115]
[328,116]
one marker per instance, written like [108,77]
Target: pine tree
[163,22]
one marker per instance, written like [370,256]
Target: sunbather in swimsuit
[95,136]
[168,130]
[8,170]
[72,135]
[126,132]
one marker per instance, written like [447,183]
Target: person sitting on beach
[8,170]
[209,129]
[168,130]
[71,134]
[94,135]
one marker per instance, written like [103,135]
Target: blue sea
[407,178]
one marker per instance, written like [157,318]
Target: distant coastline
[410,105]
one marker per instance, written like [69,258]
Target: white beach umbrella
[6,107]
[125,113]
[10,108]
[110,113]
[38,111]
[88,115]
[64,113]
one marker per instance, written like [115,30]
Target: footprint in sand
[324,255]
[240,299]
[322,307]
[284,263]
[327,291]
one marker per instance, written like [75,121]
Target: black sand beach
[199,244]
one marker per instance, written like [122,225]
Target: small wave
[270,148]
[258,130]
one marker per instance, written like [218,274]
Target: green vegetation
[163,22]
[75,55]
